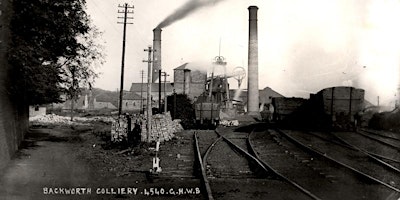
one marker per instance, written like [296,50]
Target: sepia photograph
[200,99]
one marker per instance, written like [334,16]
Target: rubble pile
[228,123]
[66,120]
[163,128]
[119,129]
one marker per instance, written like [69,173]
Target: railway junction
[259,161]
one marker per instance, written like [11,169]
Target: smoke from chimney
[186,9]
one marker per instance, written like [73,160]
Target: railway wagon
[334,107]
[340,105]
[207,114]
[285,107]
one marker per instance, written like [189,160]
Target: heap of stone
[162,128]
[119,129]
[56,119]
[50,119]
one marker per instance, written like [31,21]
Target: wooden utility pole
[149,81]
[125,12]
[159,90]
[165,94]
[73,92]
[141,92]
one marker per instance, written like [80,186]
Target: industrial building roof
[181,67]
[138,87]
[131,96]
[264,95]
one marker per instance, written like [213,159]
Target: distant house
[104,101]
[140,89]
[37,110]
[90,100]
[131,101]
[80,104]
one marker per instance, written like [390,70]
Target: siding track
[386,182]
[227,162]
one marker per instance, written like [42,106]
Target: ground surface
[79,158]
[58,159]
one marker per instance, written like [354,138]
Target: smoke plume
[185,10]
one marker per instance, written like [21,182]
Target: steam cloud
[186,9]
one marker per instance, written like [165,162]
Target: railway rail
[356,161]
[226,163]
[357,145]
[384,134]
[388,141]
[313,171]
[291,164]
[386,155]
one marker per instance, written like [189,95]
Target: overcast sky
[304,45]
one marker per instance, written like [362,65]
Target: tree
[183,109]
[77,72]
[53,49]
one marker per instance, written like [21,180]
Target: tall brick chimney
[156,53]
[252,88]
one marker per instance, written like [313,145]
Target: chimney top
[157,29]
[253,7]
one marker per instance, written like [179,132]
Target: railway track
[229,171]
[384,182]
[319,175]
[359,145]
[383,134]
[383,139]
[380,151]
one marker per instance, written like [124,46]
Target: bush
[184,110]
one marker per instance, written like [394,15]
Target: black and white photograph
[200,99]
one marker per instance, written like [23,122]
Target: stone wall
[13,112]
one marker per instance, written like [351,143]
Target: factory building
[141,90]
[189,81]
[265,97]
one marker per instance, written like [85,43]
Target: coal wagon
[285,107]
[340,105]
[207,114]
[334,107]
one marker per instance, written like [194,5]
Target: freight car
[207,114]
[340,104]
[209,104]
[284,107]
[334,107]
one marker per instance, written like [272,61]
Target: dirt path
[54,160]
[46,160]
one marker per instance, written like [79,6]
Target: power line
[126,11]
[115,28]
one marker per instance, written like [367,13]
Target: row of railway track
[280,164]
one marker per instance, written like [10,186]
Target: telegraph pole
[141,92]
[125,12]
[159,90]
[165,94]
[149,81]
